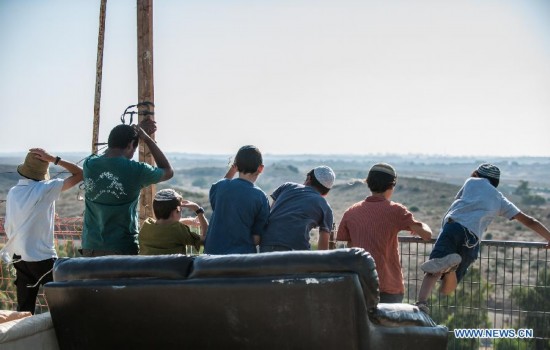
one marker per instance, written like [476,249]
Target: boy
[296,209]
[374,223]
[169,234]
[29,225]
[113,182]
[240,208]
[476,205]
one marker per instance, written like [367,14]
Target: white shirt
[29,224]
[477,204]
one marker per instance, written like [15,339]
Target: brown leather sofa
[280,300]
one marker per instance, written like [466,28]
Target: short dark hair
[316,184]
[248,159]
[380,182]
[121,135]
[492,180]
[163,209]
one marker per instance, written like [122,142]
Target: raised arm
[203,222]
[148,127]
[74,169]
[231,172]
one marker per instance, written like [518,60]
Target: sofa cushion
[355,260]
[175,266]
[400,315]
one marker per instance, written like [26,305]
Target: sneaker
[422,306]
[441,265]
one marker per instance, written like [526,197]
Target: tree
[523,189]
[533,199]
[527,198]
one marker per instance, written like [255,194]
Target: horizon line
[268,154]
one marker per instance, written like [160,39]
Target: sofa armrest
[400,315]
[404,326]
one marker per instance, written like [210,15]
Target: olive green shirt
[157,239]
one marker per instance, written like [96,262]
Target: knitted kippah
[488,170]
[384,168]
[167,195]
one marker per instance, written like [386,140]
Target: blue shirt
[240,210]
[296,210]
[477,204]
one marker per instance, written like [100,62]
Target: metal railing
[507,288]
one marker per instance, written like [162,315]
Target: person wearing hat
[239,207]
[113,182]
[296,209]
[374,223]
[477,203]
[29,223]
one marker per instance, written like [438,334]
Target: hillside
[427,188]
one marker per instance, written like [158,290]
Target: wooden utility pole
[146,92]
[98,74]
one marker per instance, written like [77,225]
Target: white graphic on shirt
[114,188]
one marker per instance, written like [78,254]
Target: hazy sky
[299,76]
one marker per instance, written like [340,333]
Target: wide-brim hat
[34,168]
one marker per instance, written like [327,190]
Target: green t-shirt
[112,188]
[156,239]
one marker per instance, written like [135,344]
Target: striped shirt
[373,224]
